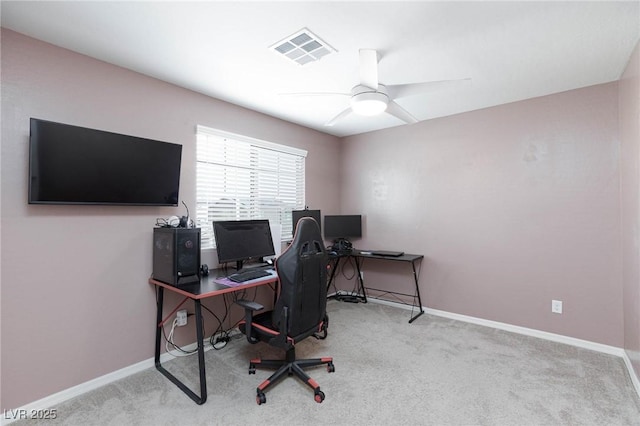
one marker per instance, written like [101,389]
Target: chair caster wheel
[261,398]
[319,396]
[252,369]
[331,368]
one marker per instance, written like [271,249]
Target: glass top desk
[210,286]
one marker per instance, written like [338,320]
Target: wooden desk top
[213,285]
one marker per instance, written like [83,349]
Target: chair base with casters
[288,366]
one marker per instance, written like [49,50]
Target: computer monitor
[296,215]
[242,240]
[339,227]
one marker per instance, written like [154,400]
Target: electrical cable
[350,262]
[220,337]
[169,342]
[353,268]
[218,329]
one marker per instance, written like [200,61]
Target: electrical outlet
[181,316]
[556,306]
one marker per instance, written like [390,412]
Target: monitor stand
[240,264]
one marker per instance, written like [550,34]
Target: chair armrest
[249,308]
[248,304]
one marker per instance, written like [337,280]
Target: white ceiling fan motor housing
[368,101]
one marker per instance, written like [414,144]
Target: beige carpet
[435,371]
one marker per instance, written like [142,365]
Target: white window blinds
[243,178]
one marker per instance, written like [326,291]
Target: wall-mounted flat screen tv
[76,165]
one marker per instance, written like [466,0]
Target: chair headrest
[307,229]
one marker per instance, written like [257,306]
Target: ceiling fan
[370,97]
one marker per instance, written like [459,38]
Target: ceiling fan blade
[397,91]
[369,68]
[397,111]
[338,117]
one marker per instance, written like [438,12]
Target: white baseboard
[634,377]
[586,344]
[9,416]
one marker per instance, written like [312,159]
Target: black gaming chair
[299,312]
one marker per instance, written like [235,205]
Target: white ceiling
[510,50]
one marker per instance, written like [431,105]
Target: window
[243,178]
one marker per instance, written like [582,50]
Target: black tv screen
[76,165]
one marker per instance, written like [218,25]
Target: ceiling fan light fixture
[369,103]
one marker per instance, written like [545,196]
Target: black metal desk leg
[415,278]
[159,303]
[333,273]
[361,281]
[199,333]
[200,336]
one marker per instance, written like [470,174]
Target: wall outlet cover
[556,306]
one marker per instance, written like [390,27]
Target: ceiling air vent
[303,47]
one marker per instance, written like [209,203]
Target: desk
[207,287]
[360,256]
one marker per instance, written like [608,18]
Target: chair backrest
[302,271]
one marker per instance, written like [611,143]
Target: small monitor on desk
[242,240]
[342,227]
[296,215]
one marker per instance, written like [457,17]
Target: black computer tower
[176,255]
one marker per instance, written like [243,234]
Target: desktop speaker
[176,255]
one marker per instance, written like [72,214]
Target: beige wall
[75,299]
[630,202]
[513,206]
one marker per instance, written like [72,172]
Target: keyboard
[242,276]
[387,253]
